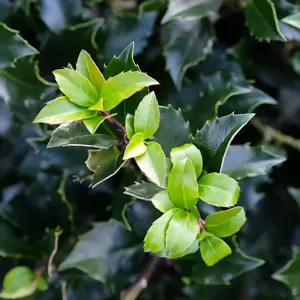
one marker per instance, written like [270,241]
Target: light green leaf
[188,151]
[290,273]
[146,117]
[186,42]
[136,146]
[122,86]
[92,124]
[152,163]
[214,146]
[189,9]
[76,87]
[181,232]
[244,161]
[155,239]
[218,189]
[87,67]
[262,20]
[13,47]
[293,20]
[129,126]
[190,250]
[173,130]
[143,190]
[225,223]
[162,201]
[182,184]
[75,134]
[213,249]
[61,110]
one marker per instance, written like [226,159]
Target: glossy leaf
[129,126]
[293,20]
[213,249]
[189,9]
[152,163]
[88,68]
[143,190]
[136,146]
[61,110]
[76,87]
[245,161]
[218,189]
[262,20]
[188,151]
[225,223]
[75,134]
[173,130]
[182,184]
[186,43]
[214,147]
[92,124]
[162,201]
[146,117]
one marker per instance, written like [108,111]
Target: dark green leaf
[5,6]
[296,62]
[162,201]
[92,124]
[189,9]
[136,146]
[151,5]
[293,20]
[296,195]
[173,130]
[143,190]
[129,126]
[13,47]
[245,161]
[214,146]
[218,189]
[186,43]
[76,134]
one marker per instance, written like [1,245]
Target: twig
[134,291]
[119,127]
[52,256]
[271,133]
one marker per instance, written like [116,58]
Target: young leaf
[155,239]
[218,189]
[75,134]
[179,9]
[122,86]
[181,232]
[213,147]
[61,110]
[76,87]
[129,126]
[182,184]
[92,124]
[225,223]
[162,201]
[87,67]
[153,164]
[262,20]
[190,151]
[213,249]
[143,190]
[136,146]
[146,117]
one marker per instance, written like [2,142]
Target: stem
[52,256]
[271,133]
[119,127]
[134,291]
[201,225]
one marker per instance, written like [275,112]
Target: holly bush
[149,149]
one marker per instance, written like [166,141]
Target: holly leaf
[136,146]
[61,110]
[226,270]
[186,42]
[173,130]
[214,147]
[162,201]
[92,124]
[290,273]
[218,189]
[103,257]
[179,9]
[75,134]
[244,161]
[105,163]
[262,20]
[225,223]
[143,190]
[60,14]
[293,20]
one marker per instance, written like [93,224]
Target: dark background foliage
[198,63]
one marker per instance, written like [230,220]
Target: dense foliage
[161,116]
